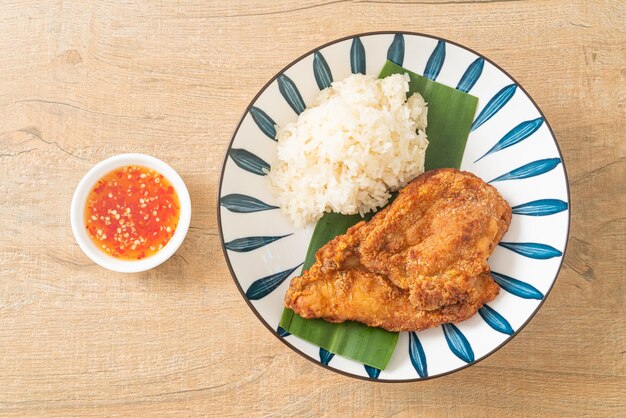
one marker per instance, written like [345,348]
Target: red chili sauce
[132,212]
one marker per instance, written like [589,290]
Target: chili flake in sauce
[132,212]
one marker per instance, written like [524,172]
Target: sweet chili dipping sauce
[132,212]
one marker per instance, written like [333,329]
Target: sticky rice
[360,140]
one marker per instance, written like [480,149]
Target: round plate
[511,146]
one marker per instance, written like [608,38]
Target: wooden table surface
[83,80]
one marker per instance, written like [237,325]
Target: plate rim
[223,169]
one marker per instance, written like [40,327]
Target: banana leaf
[450,115]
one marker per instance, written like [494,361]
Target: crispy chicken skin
[420,262]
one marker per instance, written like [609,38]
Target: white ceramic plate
[511,145]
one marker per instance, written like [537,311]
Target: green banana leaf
[450,116]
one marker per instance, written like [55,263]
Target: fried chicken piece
[420,262]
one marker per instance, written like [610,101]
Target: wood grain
[83,80]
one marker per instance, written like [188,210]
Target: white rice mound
[357,142]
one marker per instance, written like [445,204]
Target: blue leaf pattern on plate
[291,94]
[532,250]
[529,170]
[263,287]
[372,372]
[357,56]
[244,245]
[321,71]
[516,287]
[245,249]
[325,356]
[240,203]
[416,353]
[458,343]
[515,135]
[282,332]
[249,162]
[471,75]
[495,320]
[264,122]
[542,207]
[395,52]
[435,62]
[494,105]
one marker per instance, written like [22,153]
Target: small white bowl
[77,213]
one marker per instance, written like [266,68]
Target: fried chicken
[420,262]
